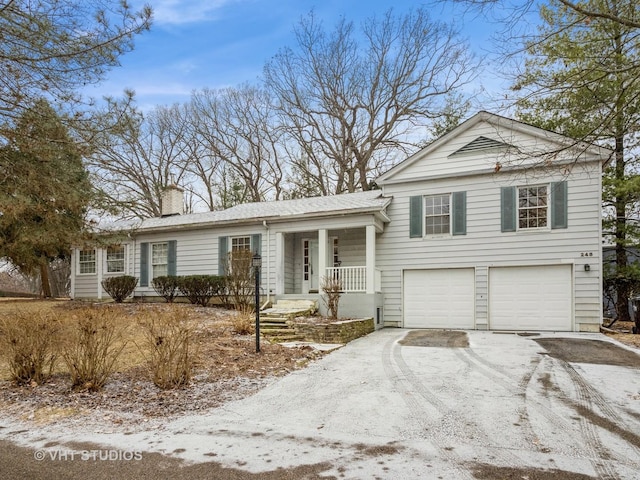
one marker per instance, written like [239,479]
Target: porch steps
[275,321]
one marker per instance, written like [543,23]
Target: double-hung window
[115,259]
[159,259]
[437,214]
[533,206]
[87,261]
[239,244]
[442,215]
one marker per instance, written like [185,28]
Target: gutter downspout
[268,282]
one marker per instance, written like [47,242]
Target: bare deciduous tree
[351,105]
[137,156]
[238,132]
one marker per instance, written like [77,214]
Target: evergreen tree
[582,78]
[44,192]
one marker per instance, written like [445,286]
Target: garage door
[530,298]
[441,298]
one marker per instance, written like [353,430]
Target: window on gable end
[437,214]
[533,206]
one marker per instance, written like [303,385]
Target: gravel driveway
[403,405]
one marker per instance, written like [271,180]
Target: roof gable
[484,141]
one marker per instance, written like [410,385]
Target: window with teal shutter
[172,258]
[508,209]
[256,244]
[415,217]
[223,250]
[459,208]
[559,210]
[144,264]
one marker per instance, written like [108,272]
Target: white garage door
[443,298]
[530,298]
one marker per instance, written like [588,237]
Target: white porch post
[371,258]
[279,263]
[323,238]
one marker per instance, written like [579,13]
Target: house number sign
[586,254]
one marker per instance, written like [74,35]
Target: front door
[310,272]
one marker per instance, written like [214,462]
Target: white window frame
[529,208]
[431,211]
[83,261]
[110,261]
[240,241]
[154,265]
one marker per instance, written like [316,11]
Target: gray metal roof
[360,202]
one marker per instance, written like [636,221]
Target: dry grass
[225,367]
[244,321]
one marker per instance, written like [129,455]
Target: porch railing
[353,279]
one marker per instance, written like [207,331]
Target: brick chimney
[172,201]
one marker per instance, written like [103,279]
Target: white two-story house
[496,225]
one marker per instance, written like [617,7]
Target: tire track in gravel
[588,398]
[591,439]
[392,360]
[418,409]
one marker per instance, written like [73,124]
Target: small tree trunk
[44,280]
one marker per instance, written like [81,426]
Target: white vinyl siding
[485,245]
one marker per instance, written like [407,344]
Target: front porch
[304,260]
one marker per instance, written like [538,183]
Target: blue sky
[219,43]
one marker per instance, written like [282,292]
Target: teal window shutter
[415,216]
[459,209]
[256,243]
[508,209]
[172,260]
[223,250]
[559,213]
[144,264]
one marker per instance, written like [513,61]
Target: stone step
[285,338]
[276,331]
[274,318]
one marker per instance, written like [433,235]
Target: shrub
[169,342]
[332,288]
[240,281]
[94,342]
[28,340]
[120,287]
[200,288]
[244,321]
[166,286]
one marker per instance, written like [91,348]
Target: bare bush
[94,343]
[170,348]
[244,321]
[239,278]
[332,288]
[28,341]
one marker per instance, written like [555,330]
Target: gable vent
[482,143]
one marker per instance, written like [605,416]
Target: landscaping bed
[227,367]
